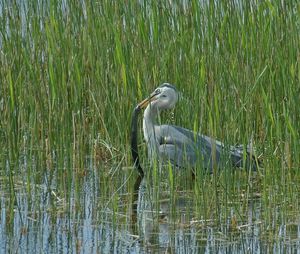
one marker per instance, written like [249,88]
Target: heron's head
[164,97]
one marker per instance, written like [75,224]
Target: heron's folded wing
[178,156]
[186,148]
[184,154]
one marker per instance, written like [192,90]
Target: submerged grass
[71,73]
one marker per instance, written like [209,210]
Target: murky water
[148,221]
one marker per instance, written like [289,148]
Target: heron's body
[182,147]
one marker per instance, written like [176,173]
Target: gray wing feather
[185,148]
[180,155]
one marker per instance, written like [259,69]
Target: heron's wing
[179,155]
[185,148]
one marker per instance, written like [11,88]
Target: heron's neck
[149,123]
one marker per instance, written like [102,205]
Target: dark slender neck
[134,137]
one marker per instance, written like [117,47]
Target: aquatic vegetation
[71,73]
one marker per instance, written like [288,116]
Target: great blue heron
[183,147]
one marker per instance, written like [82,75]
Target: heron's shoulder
[172,129]
[178,133]
[196,136]
[186,132]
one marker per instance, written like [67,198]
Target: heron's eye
[157,91]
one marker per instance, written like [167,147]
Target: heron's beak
[144,103]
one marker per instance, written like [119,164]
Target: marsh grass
[71,73]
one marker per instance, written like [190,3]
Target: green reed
[71,74]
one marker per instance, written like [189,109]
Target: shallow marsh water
[151,219]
